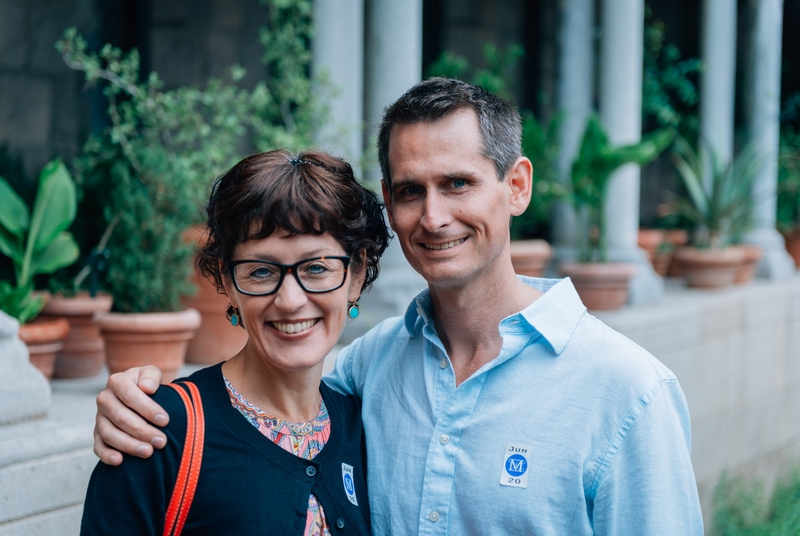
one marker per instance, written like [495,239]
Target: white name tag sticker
[515,466]
[349,485]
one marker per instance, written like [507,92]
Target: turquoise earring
[235,319]
[353,311]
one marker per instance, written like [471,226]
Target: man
[496,405]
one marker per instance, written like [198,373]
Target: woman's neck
[289,395]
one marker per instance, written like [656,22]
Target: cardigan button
[340,523]
[311,470]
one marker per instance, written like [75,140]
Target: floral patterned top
[303,439]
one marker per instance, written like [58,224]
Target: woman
[293,240]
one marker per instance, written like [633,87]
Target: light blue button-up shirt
[598,429]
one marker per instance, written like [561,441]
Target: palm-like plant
[37,241]
[591,174]
[721,206]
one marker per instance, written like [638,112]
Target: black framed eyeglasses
[314,275]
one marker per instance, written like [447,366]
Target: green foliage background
[152,170]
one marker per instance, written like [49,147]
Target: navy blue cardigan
[247,484]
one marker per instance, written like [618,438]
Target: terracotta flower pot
[602,286]
[793,246]
[44,339]
[530,257]
[747,271]
[710,268]
[678,238]
[218,340]
[136,339]
[83,353]
[662,261]
[649,240]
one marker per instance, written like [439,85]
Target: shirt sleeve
[341,377]
[646,484]
[131,499]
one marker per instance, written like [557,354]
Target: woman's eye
[316,269]
[261,273]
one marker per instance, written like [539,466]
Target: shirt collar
[554,315]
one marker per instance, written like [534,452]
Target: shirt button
[340,523]
[434,516]
[443,363]
[311,470]
[444,439]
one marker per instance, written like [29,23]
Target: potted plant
[83,352]
[530,255]
[788,213]
[160,154]
[37,242]
[720,210]
[602,285]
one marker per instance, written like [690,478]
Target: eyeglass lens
[315,275]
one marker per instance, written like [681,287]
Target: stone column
[621,111]
[718,79]
[575,96]
[393,63]
[338,50]
[762,118]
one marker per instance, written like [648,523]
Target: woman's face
[293,329]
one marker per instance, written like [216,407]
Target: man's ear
[520,184]
[387,200]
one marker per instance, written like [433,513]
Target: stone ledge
[63,522]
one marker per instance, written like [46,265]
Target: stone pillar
[393,63]
[762,118]
[718,79]
[621,111]
[575,96]
[338,50]
[24,391]
[393,53]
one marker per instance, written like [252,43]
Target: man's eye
[459,183]
[412,190]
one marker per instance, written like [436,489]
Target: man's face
[446,204]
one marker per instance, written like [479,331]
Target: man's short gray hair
[436,98]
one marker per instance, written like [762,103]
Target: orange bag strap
[191,459]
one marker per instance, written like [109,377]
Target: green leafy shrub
[788,211]
[741,507]
[156,163]
[669,83]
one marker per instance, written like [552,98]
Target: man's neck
[467,318]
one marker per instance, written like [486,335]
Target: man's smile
[446,245]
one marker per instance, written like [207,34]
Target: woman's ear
[358,274]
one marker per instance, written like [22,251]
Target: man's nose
[436,212]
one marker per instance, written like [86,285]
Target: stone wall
[40,100]
[736,353]
[44,110]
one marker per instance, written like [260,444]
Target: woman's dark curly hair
[307,193]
